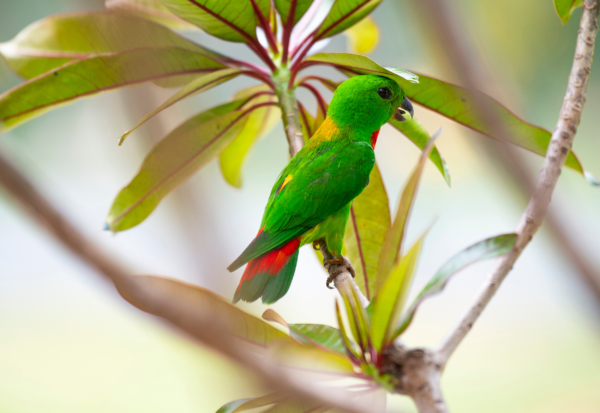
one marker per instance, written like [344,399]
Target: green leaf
[284,9]
[258,124]
[363,37]
[357,318]
[196,86]
[151,10]
[417,134]
[174,159]
[354,64]
[232,20]
[317,335]
[565,8]
[248,404]
[390,251]
[320,117]
[307,121]
[56,40]
[191,299]
[344,14]
[458,104]
[365,232]
[452,101]
[94,75]
[388,304]
[296,406]
[483,250]
[348,344]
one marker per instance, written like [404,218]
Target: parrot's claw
[316,246]
[342,264]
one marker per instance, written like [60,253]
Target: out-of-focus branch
[471,70]
[165,298]
[559,147]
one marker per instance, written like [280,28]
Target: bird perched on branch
[312,196]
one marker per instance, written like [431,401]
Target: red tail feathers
[270,263]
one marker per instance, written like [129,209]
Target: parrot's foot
[316,246]
[342,265]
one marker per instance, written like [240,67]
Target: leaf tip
[125,135]
[592,180]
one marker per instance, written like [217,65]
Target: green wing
[324,178]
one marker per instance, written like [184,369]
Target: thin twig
[562,140]
[165,298]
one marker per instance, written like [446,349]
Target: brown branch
[166,298]
[562,140]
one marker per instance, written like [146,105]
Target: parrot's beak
[405,111]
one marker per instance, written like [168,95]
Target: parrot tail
[269,275]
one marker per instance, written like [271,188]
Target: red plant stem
[325,82]
[320,101]
[262,54]
[247,64]
[260,76]
[298,62]
[287,31]
[302,43]
[266,27]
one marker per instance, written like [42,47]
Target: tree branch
[167,298]
[562,140]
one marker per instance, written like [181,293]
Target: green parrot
[311,198]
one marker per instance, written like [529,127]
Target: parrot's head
[367,102]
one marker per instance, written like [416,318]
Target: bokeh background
[69,343]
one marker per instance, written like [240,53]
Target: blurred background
[69,343]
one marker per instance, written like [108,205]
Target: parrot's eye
[385,92]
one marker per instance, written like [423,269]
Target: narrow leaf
[196,86]
[388,303]
[353,64]
[317,335]
[307,121]
[284,8]
[257,125]
[94,75]
[56,40]
[565,8]
[150,10]
[232,407]
[174,159]
[249,404]
[390,252]
[483,250]
[348,344]
[344,14]
[296,406]
[232,20]
[365,232]
[458,104]
[417,134]
[357,318]
[363,37]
